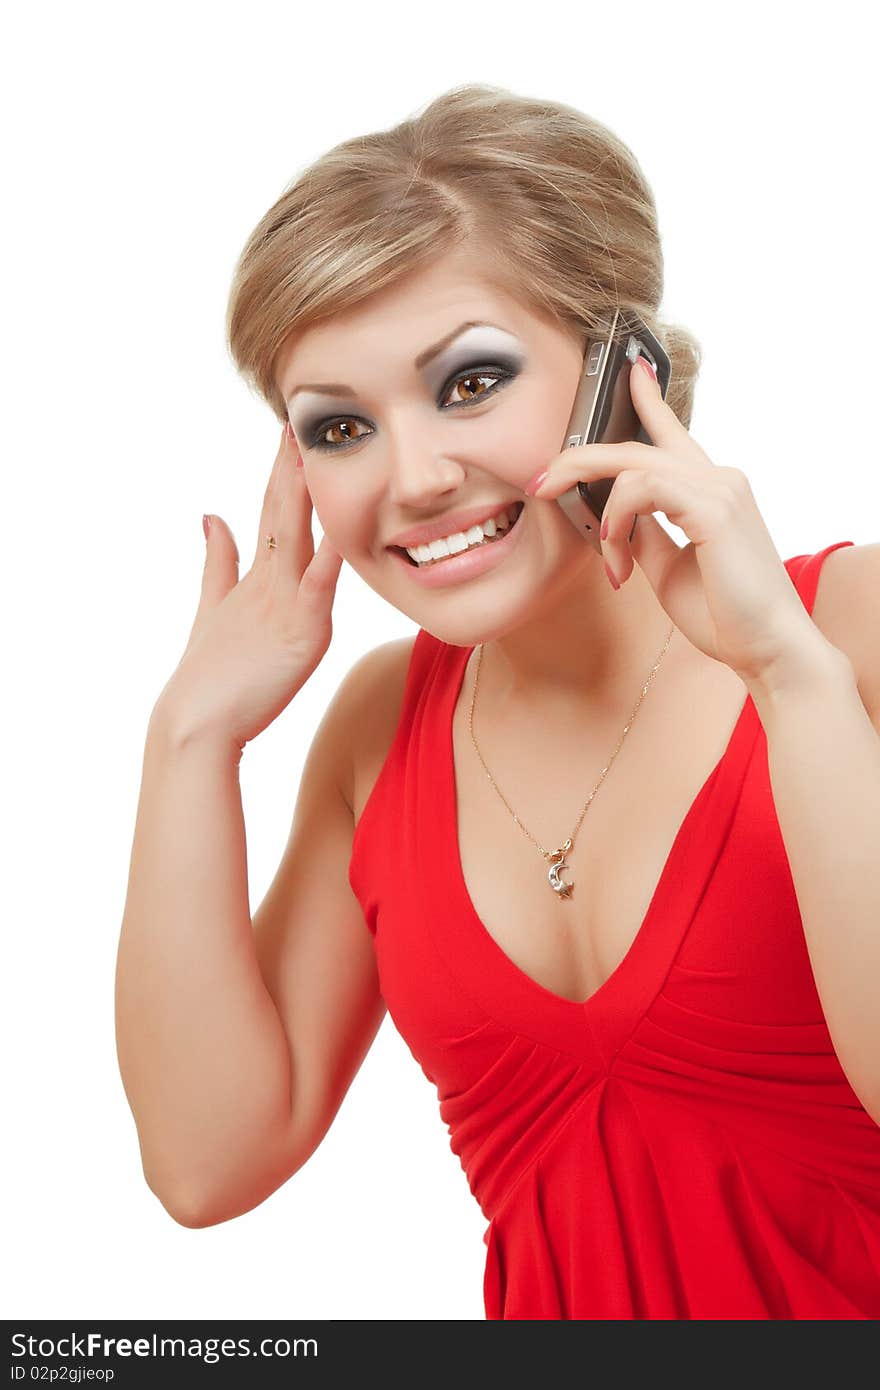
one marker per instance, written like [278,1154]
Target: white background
[142,146]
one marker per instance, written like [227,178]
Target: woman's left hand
[728,590]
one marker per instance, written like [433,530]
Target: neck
[589,645]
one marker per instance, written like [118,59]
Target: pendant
[556,883]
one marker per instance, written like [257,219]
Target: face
[445,441]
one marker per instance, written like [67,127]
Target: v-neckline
[505,989]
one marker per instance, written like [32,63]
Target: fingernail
[643,362]
[206,525]
[610,573]
[299,462]
[604,532]
[535,482]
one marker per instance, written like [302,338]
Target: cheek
[527,449]
[345,520]
[538,433]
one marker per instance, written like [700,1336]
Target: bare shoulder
[847,611]
[374,699]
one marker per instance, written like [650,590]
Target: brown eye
[343,424]
[470,380]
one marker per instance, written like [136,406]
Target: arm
[237,1040]
[201,1048]
[824,759]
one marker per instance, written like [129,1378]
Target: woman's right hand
[255,641]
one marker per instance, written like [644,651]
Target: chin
[469,623]
[490,606]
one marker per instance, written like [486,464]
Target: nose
[420,468]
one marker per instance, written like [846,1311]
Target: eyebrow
[336,388]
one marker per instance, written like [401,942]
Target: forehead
[403,318]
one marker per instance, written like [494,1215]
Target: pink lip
[451,523]
[468,564]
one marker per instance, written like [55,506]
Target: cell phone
[603,412]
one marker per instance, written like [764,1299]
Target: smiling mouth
[477,545]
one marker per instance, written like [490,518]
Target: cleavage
[571,946]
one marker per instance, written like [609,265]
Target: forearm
[202,1051]
[824,761]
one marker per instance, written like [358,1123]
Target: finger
[296,545]
[659,419]
[317,587]
[651,548]
[687,505]
[591,462]
[220,573]
[588,463]
[271,504]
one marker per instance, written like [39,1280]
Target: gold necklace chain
[557,856]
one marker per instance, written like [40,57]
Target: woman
[652,1030]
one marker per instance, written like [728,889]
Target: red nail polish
[535,482]
[610,574]
[643,362]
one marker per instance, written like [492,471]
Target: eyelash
[502,375]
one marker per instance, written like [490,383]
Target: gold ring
[270,541]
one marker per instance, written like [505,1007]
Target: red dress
[684,1144]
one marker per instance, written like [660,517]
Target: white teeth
[462,540]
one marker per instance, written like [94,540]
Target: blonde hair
[556,203]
